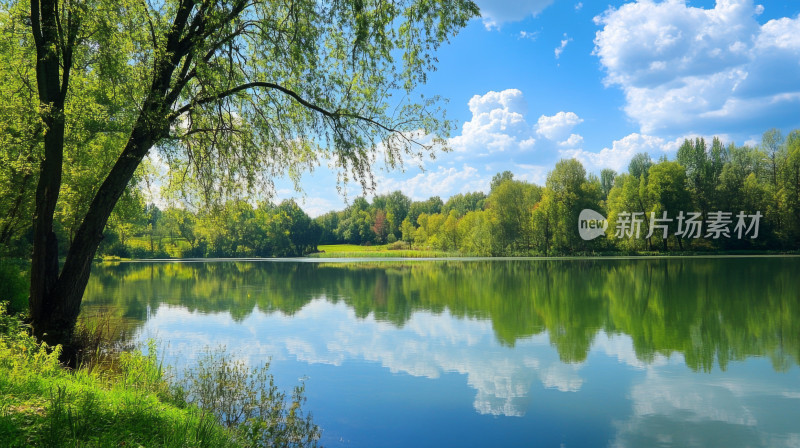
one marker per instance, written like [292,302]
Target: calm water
[658,352]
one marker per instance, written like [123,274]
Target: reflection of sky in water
[369,382]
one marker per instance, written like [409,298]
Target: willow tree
[229,94]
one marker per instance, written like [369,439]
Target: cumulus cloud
[670,406]
[497,124]
[443,182]
[688,69]
[497,12]
[563,377]
[558,126]
[536,174]
[619,155]
[316,206]
[429,345]
[574,141]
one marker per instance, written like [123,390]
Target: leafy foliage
[248,400]
[519,218]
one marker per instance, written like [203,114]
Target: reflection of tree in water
[710,310]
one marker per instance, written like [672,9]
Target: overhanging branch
[335,115]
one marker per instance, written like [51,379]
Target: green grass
[43,404]
[174,247]
[350,248]
[133,402]
[381,251]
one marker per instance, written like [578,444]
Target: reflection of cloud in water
[670,404]
[428,345]
[677,407]
[563,377]
[620,347]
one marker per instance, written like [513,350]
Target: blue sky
[534,81]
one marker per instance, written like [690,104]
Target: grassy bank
[391,251]
[133,402]
[381,251]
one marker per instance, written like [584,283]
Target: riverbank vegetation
[398,249]
[131,399]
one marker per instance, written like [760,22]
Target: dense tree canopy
[519,218]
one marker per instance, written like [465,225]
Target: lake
[477,352]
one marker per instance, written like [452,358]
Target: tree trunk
[56,309]
[44,260]
[14,215]
[55,299]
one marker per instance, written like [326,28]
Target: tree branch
[36,23]
[335,115]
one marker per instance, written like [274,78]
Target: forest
[514,218]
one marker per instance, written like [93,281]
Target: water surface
[608,352]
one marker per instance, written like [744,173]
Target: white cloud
[579,6]
[687,69]
[536,174]
[574,141]
[563,377]
[497,12]
[443,182]
[428,345]
[561,48]
[558,126]
[672,407]
[316,206]
[619,155]
[497,124]
[531,35]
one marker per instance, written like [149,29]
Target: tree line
[521,218]
[514,218]
[232,229]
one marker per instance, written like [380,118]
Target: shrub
[249,402]
[140,252]
[117,249]
[398,245]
